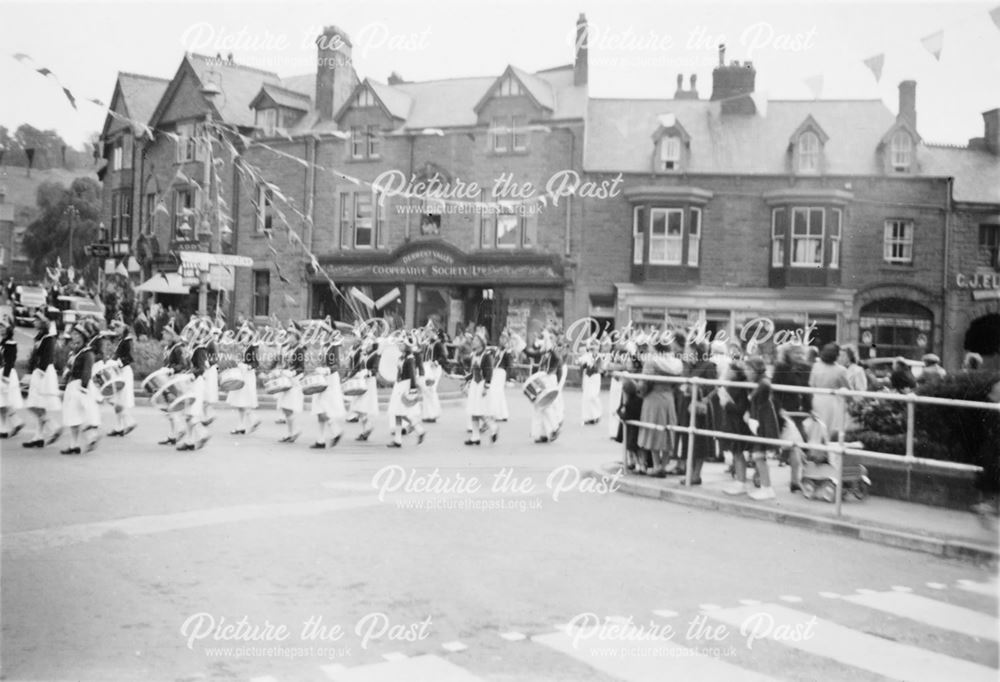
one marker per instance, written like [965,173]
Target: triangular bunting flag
[21,57]
[759,100]
[815,85]
[69,96]
[96,101]
[875,65]
[121,270]
[44,71]
[934,43]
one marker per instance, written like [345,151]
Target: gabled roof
[976,172]
[271,95]
[394,103]
[618,135]
[137,96]
[538,89]
[668,123]
[901,124]
[809,125]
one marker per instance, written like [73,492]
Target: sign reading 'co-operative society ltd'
[446,272]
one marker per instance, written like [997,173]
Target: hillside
[21,189]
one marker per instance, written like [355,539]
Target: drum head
[181,403]
[388,363]
[546,398]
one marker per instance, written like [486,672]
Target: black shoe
[555,434]
[493,438]
[318,446]
[168,441]
[363,436]
[17,430]
[238,432]
[208,422]
[4,435]
[70,451]
[33,444]
[543,439]
[336,439]
[795,488]
[420,438]
[116,433]
[185,447]
[394,445]
[129,429]
[353,419]
[694,482]
[92,445]
[54,437]
[472,442]
[429,421]
[254,426]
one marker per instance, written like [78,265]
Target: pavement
[922,528]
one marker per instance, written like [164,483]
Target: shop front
[974,317]
[764,317]
[433,280]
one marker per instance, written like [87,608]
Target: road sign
[98,250]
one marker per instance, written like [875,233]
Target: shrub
[969,435]
[887,417]
[147,357]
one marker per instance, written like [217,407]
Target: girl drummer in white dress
[245,399]
[175,360]
[404,417]
[366,360]
[211,392]
[124,399]
[477,405]
[43,391]
[590,380]
[292,402]
[503,367]
[435,361]
[196,434]
[102,358]
[10,388]
[79,409]
[545,421]
[328,405]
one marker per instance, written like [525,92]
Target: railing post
[910,425]
[840,471]
[692,409]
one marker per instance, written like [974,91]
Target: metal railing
[840,448]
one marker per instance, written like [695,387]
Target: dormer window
[670,153]
[808,153]
[901,151]
[365,99]
[509,87]
[266,120]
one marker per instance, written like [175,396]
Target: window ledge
[363,159]
[512,152]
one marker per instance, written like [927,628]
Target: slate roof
[141,94]
[976,172]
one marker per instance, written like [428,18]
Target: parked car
[881,368]
[26,300]
[76,307]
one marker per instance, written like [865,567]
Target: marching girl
[101,349]
[328,406]
[545,422]
[195,434]
[402,417]
[79,409]
[124,399]
[174,359]
[211,375]
[435,361]
[590,366]
[245,399]
[10,388]
[292,402]
[477,404]
[366,360]
[503,367]
[43,391]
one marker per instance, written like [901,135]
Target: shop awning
[164,283]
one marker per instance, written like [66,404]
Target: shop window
[645,317]
[898,241]
[261,293]
[897,327]
[989,245]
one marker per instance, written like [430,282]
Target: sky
[637,48]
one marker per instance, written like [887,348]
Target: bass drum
[388,364]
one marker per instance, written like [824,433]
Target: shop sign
[984,285]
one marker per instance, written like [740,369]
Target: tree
[47,238]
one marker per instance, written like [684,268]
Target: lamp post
[70,214]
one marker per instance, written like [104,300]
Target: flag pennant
[815,85]
[70,97]
[44,71]
[22,57]
[875,65]
[934,43]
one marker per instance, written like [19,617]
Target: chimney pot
[991,135]
[722,54]
[580,61]
[908,102]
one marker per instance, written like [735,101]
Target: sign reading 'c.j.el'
[984,285]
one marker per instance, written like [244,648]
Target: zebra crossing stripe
[670,662]
[428,668]
[890,659]
[990,589]
[931,612]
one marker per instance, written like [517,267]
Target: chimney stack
[734,80]
[334,82]
[395,78]
[991,121]
[580,66]
[722,54]
[681,93]
[908,102]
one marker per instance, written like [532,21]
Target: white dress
[211,377]
[329,402]
[43,390]
[126,396]
[614,401]
[292,399]
[496,397]
[10,391]
[476,404]
[590,385]
[367,402]
[430,406]
[246,397]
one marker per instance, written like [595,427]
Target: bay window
[807,237]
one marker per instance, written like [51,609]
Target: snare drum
[109,380]
[176,395]
[411,397]
[231,379]
[156,381]
[277,383]
[355,386]
[541,388]
[314,382]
